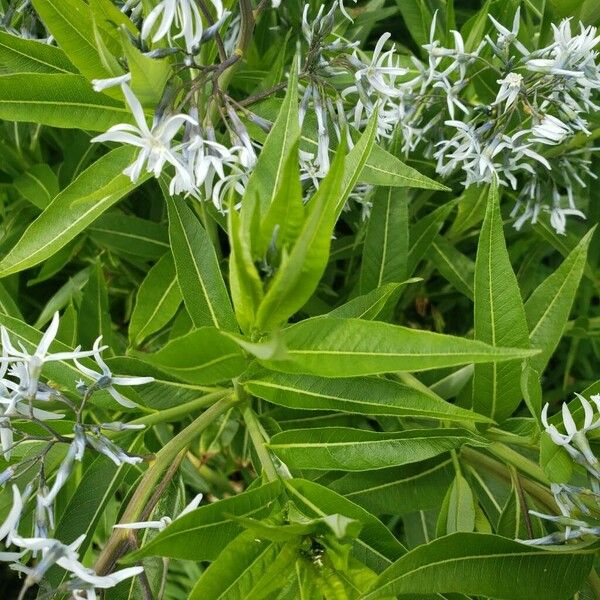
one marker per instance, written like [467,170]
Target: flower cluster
[22,394]
[579,506]
[543,99]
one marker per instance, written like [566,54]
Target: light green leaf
[457,268]
[486,565]
[385,251]
[362,395]
[200,279]
[418,486]
[130,235]
[375,546]
[18,55]
[548,308]
[424,232]
[70,22]
[499,318]
[346,449]
[157,301]
[347,347]
[94,317]
[38,184]
[211,526]
[203,356]
[99,187]
[58,100]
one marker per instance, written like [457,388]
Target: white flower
[382,72]
[106,380]
[155,143]
[507,37]
[550,130]
[100,85]
[574,440]
[510,87]
[9,527]
[163,522]
[35,361]
[182,15]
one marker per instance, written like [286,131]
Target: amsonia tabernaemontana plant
[299,300]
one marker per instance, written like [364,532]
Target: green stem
[175,413]
[526,466]
[481,462]
[118,543]
[256,435]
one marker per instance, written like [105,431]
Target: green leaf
[94,317]
[555,460]
[203,356]
[18,55]
[244,280]
[38,184]
[457,268]
[362,395]
[58,100]
[487,565]
[346,449]
[148,75]
[211,526]
[499,318]
[548,308]
[418,486]
[301,269]
[346,347]
[369,306]
[7,303]
[424,232]
[130,235]
[99,187]
[242,567]
[200,279]
[461,506]
[70,22]
[375,546]
[157,301]
[272,172]
[418,19]
[385,251]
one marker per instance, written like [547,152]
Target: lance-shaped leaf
[301,269]
[486,565]
[548,308]
[362,395]
[58,100]
[375,546]
[129,235]
[418,486]
[211,526]
[347,449]
[424,232]
[99,187]
[272,174]
[369,305]
[245,567]
[18,55]
[157,301]
[203,356]
[71,24]
[200,279]
[499,318]
[333,347]
[385,251]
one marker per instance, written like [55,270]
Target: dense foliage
[299,300]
